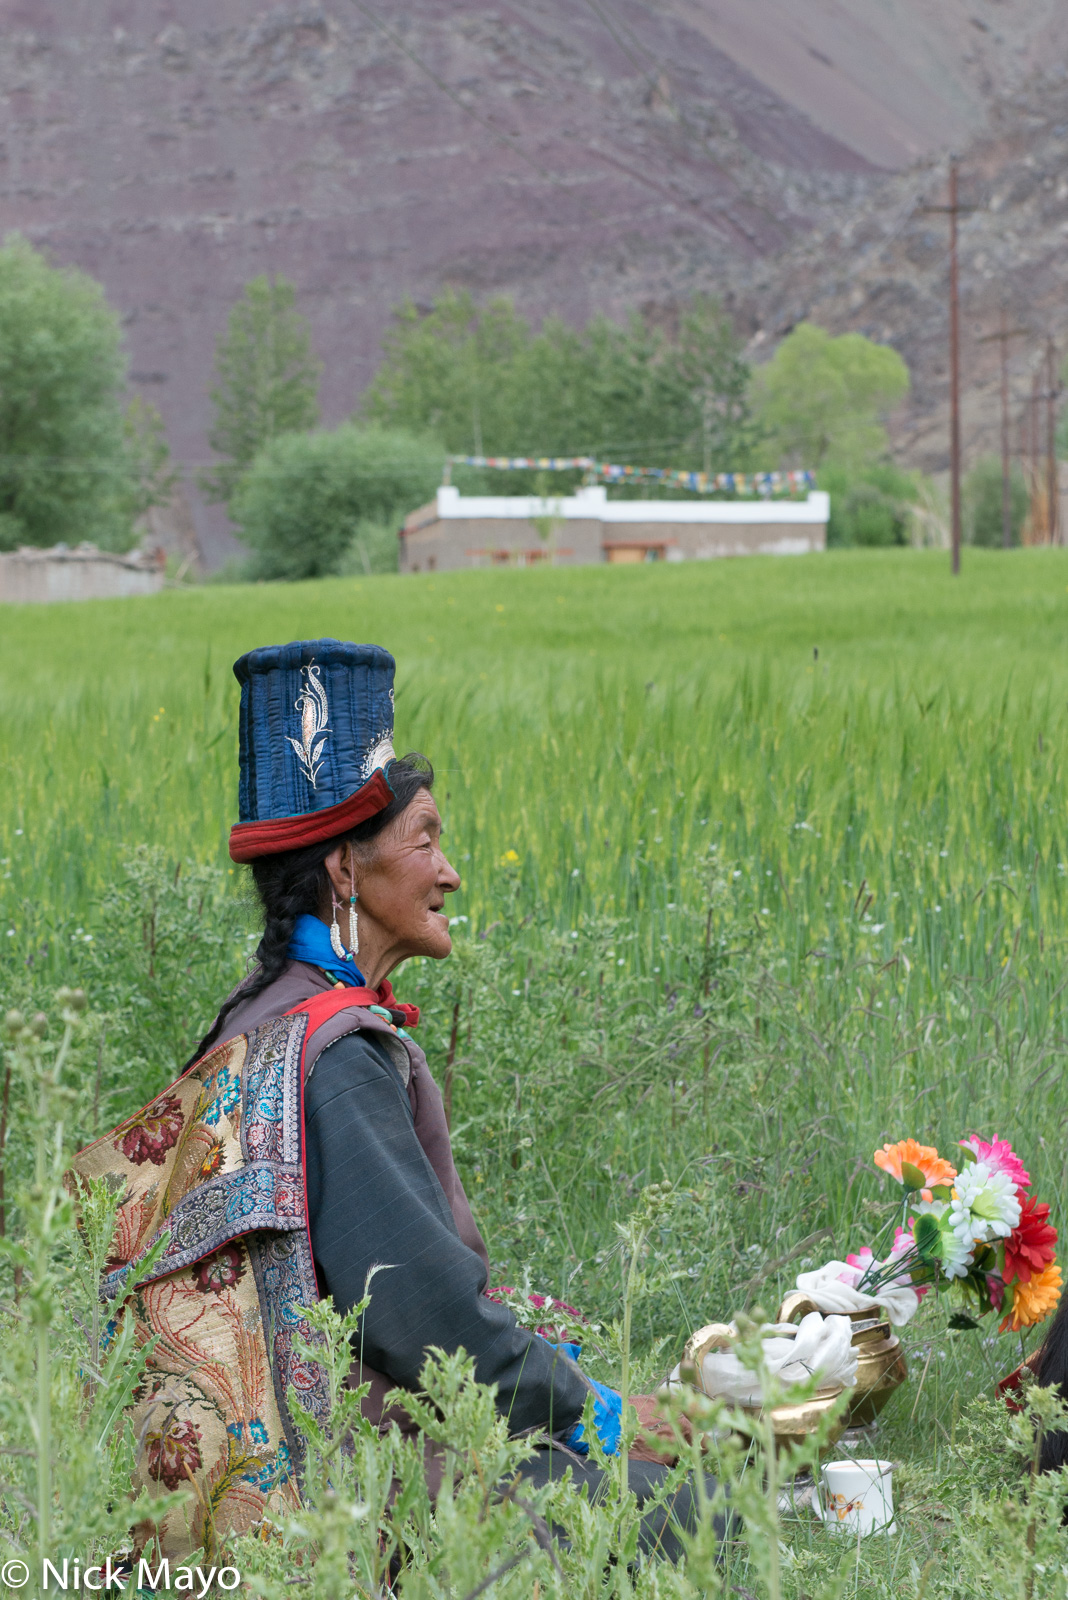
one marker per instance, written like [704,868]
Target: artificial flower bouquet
[977,1230]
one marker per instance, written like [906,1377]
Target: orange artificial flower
[924,1157]
[1033,1301]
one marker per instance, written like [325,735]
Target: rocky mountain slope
[581,156]
[883,269]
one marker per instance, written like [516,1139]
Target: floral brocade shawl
[214,1163]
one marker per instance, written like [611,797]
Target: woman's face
[401,881]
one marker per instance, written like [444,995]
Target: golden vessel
[881,1366]
[791,1423]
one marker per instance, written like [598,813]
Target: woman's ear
[337,869]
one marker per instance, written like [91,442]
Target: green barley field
[764,862]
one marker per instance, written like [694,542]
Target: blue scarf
[311,943]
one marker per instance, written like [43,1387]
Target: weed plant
[763,864]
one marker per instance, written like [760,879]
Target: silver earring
[335,933]
[354,931]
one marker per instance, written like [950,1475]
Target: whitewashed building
[456,531]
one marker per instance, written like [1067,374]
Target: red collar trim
[321,1007]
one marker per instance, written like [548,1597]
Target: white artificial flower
[984,1205]
[956,1254]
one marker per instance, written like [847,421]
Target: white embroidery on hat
[379,755]
[314,711]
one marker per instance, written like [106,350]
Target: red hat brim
[248,840]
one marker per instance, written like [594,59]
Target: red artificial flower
[1029,1248]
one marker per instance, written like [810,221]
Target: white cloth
[826,1289]
[792,1353]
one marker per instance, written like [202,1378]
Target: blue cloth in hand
[607,1419]
[572,1350]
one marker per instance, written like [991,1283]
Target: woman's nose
[449,878]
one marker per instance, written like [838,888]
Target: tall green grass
[877,750]
[806,819]
[872,752]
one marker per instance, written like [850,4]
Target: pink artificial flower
[996,1288]
[857,1266]
[999,1157]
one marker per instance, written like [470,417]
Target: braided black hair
[294,882]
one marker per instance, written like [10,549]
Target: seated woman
[1049,1367]
[344,844]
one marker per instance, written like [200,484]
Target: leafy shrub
[869,507]
[304,500]
[983,520]
[374,548]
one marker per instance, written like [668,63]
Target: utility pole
[1033,452]
[954,367]
[1052,396]
[1003,335]
[953,210]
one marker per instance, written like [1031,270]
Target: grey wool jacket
[383,1191]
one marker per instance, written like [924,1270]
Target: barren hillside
[582,156]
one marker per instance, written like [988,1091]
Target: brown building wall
[447,544]
[696,541]
[455,542]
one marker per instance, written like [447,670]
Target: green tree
[311,502]
[481,381]
[64,472]
[983,517]
[267,381]
[704,383]
[822,399]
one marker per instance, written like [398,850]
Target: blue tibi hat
[316,740]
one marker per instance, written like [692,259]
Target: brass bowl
[791,1423]
[881,1365]
[794,1423]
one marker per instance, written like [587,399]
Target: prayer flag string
[761,483]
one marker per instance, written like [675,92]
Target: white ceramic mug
[857,1497]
